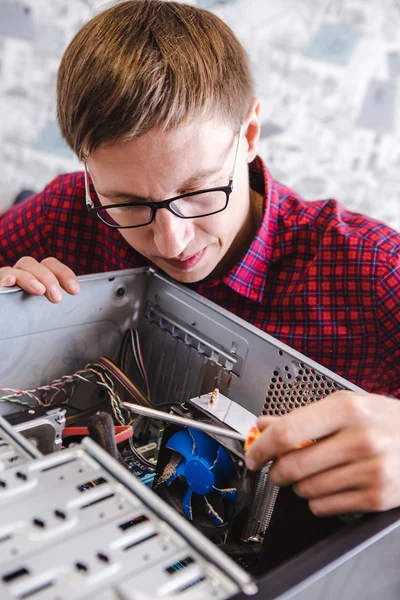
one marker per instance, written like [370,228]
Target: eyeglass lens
[189,207]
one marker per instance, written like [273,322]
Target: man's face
[161,165]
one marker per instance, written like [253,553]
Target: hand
[44,278]
[355,464]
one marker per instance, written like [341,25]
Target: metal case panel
[41,341]
[256,370]
[76,523]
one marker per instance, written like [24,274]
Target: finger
[25,281]
[264,421]
[66,277]
[314,421]
[359,475]
[7,279]
[33,275]
[346,446]
[365,500]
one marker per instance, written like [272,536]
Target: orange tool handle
[254,433]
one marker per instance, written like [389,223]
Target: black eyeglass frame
[154,206]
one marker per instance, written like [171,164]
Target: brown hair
[147,63]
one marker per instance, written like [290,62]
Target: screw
[120,291]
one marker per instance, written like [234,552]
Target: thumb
[265,421]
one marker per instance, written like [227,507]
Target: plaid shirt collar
[249,275]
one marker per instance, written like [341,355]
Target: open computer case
[76,522]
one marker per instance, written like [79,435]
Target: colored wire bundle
[46,395]
[131,343]
[111,368]
[105,373]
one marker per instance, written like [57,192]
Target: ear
[252,128]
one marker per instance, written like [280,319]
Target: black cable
[101,430]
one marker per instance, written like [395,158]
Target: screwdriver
[159,415]
[171,418]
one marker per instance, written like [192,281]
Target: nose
[171,233]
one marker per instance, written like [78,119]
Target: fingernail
[37,286]
[73,286]
[250,464]
[55,293]
[4,281]
[297,492]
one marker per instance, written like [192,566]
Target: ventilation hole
[301,372]
[3,483]
[103,557]
[276,373]
[286,368]
[88,485]
[39,523]
[280,353]
[133,522]
[22,476]
[60,514]
[82,568]
[273,380]
[13,575]
[289,376]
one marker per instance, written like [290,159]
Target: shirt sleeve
[24,229]
[389,323]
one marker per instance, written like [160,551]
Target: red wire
[124,435]
[122,432]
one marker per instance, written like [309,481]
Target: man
[156,99]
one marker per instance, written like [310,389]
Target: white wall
[327,72]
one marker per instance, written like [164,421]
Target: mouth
[186,264]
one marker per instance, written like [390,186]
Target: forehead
[162,159]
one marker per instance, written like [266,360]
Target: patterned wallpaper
[327,72]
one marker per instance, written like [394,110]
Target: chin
[190,276]
[186,277]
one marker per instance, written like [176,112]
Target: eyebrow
[206,173]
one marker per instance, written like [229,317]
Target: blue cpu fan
[205,471]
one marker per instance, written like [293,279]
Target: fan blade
[187,504]
[178,471]
[183,443]
[214,516]
[222,466]
[206,446]
[228,493]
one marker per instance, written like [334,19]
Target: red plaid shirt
[317,277]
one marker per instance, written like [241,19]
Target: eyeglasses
[194,205]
